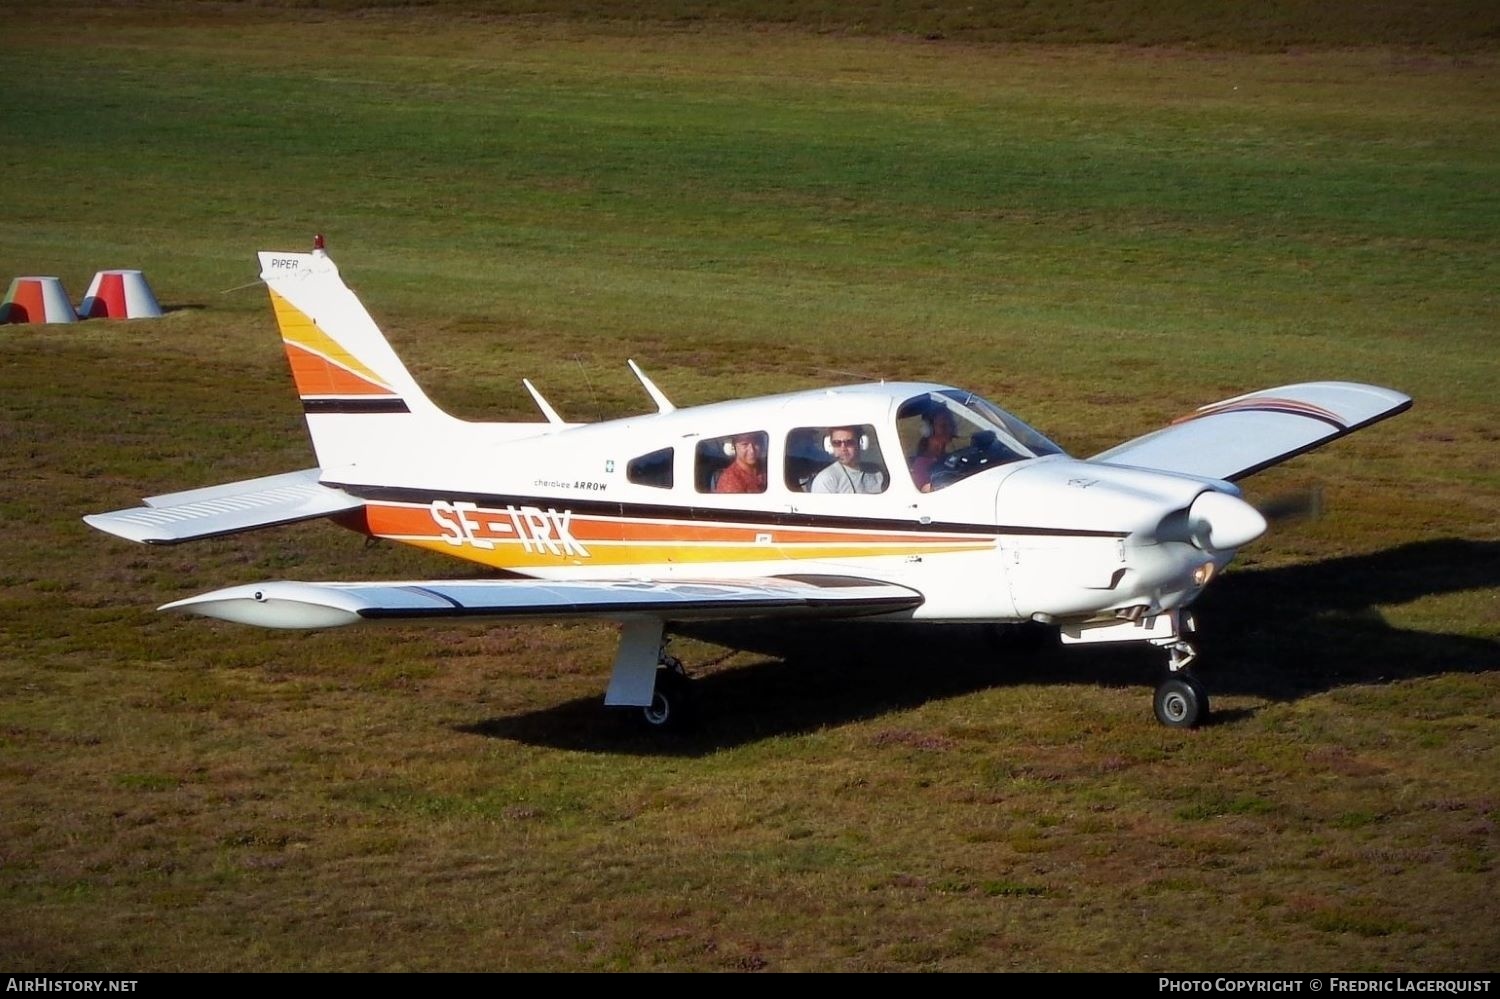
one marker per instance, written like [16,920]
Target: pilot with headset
[938,430]
[846,474]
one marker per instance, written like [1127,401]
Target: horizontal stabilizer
[227,509]
[289,604]
[1241,436]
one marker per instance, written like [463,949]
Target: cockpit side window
[732,464]
[949,435]
[654,469]
[835,459]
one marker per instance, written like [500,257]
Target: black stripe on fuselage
[649,511]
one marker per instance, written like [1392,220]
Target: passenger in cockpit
[748,472]
[847,474]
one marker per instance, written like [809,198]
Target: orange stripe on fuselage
[521,537]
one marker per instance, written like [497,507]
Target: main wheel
[671,702]
[1181,701]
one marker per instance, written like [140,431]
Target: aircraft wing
[289,604]
[1241,436]
[227,509]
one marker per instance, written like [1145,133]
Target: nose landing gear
[1181,701]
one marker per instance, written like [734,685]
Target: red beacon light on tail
[318,245]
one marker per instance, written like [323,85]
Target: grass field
[1098,237]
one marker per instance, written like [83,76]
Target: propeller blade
[1304,504]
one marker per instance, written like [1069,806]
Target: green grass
[1100,237]
[1274,25]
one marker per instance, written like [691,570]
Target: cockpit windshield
[950,434]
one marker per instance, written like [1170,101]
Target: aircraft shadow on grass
[1278,634]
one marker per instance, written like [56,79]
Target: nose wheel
[1181,701]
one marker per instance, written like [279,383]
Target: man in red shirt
[748,473]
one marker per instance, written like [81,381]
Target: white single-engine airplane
[897,501]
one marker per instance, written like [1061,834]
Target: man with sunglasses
[847,474]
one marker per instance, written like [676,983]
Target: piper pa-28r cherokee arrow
[898,501]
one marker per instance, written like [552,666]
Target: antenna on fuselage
[859,375]
[598,412]
[663,404]
[542,404]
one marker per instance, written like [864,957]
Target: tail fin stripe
[318,375]
[361,404]
[355,406]
[300,330]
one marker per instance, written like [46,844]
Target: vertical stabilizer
[358,397]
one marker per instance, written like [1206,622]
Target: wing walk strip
[429,592]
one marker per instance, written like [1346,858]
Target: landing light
[1204,573]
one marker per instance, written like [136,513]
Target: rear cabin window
[654,469]
[837,459]
[735,463]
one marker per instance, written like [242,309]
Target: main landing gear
[647,679]
[1181,700]
[671,707]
